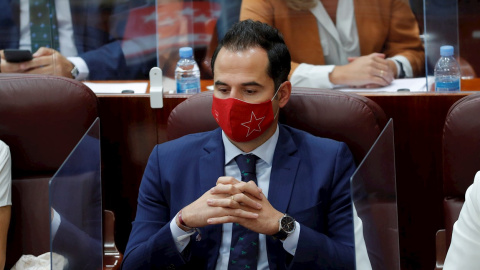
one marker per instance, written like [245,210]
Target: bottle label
[450,86]
[188,85]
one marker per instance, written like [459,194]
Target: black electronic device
[16,56]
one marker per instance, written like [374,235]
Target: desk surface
[470,85]
[130,129]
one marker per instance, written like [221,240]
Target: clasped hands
[234,201]
[45,61]
[369,71]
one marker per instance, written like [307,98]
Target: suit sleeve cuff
[314,76]
[81,66]
[180,237]
[406,65]
[291,242]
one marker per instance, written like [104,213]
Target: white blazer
[5,176]
[464,251]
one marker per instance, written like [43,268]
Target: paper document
[398,85]
[117,88]
[169,85]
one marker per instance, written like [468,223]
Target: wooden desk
[130,129]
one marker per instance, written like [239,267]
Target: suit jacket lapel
[211,166]
[282,180]
[212,163]
[284,171]
[81,11]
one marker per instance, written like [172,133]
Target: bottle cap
[446,50]
[186,52]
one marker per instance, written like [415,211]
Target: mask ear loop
[276,92]
[274,98]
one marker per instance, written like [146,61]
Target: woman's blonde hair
[301,4]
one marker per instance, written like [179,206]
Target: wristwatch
[74,72]
[401,73]
[286,226]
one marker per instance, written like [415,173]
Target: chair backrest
[351,118]
[41,119]
[461,156]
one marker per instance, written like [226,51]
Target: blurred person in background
[82,41]
[355,43]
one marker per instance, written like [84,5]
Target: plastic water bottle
[447,71]
[187,74]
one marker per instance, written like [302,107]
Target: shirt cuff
[291,242]
[82,67]
[406,65]
[55,223]
[314,76]
[180,237]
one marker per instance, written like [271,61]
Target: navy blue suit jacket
[97,36]
[310,180]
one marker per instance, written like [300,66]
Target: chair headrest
[461,145]
[351,118]
[42,118]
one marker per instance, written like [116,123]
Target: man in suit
[359,43]
[191,202]
[89,34]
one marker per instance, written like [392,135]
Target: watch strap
[401,73]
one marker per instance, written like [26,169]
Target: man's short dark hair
[250,34]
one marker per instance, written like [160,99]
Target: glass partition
[375,201]
[441,28]
[75,196]
[181,24]
[124,39]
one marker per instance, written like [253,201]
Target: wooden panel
[418,124]
[128,135]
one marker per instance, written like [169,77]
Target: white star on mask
[251,125]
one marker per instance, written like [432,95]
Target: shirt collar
[264,151]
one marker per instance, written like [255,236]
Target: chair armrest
[112,258]
[441,249]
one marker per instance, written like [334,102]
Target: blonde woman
[5,199]
[333,43]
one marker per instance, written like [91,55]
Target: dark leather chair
[42,118]
[461,160]
[353,119]
[347,117]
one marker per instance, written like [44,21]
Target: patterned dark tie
[43,24]
[244,247]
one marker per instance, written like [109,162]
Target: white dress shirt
[464,251]
[339,41]
[5,175]
[65,34]
[263,167]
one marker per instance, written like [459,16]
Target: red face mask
[242,121]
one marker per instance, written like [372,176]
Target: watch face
[74,72]
[288,224]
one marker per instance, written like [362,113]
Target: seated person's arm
[5,199]
[463,251]
[404,42]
